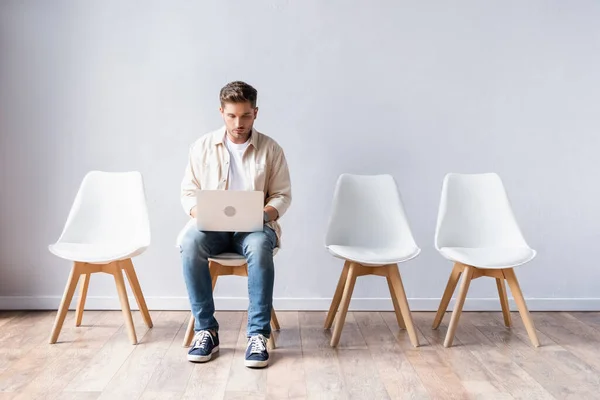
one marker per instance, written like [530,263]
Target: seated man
[235,157]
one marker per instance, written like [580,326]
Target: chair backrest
[109,207]
[367,211]
[475,212]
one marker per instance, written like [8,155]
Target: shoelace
[201,339]
[258,344]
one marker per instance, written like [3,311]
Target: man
[235,157]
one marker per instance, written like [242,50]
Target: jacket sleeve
[279,188]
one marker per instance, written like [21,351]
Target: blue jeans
[197,246]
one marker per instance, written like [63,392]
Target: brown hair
[238,92]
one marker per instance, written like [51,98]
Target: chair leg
[189,333]
[450,287]
[395,303]
[82,296]
[271,342]
[66,301]
[274,321]
[120,282]
[137,290]
[345,303]
[513,283]
[337,297]
[460,301]
[398,287]
[504,302]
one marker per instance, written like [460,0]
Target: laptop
[230,210]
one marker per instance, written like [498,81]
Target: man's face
[239,118]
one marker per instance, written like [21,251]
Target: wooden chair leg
[513,283]
[398,287]
[450,287]
[337,297]
[271,342]
[460,301]
[122,291]
[137,290]
[66,301]
[504,302]
[85,281]
[189,333]
[345,303]
[395,303]
[274,321]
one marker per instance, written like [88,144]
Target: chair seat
[95,253]
[233,259]
[373,256]
[490,257]
[229,259]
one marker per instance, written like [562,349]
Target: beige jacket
[264,162]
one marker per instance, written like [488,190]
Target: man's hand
[193,212]
[272,213]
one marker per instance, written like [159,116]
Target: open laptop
[230,210]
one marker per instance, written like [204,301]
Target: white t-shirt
[238,178]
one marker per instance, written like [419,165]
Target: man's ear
[255,112]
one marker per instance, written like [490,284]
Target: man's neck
[238,141]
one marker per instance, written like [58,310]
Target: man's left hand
[271,213]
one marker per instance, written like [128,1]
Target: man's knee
[258,245]
[194,242]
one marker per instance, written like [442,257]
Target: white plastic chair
[477,230]
[106,227]
[222,265]
[369,230]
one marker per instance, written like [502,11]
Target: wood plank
[243,379]
[172,374]
[37,357]
[438,378]
[477,381]
[360,374]
[514,379]
[209,380]
[8,316]
[134,375]
[19,336]
[590,318]
[395,371]
[321,365]
[560,357]
[375,360]
[535,363]
[244,396]
[161,395]
[285,374]
[579,339]
[112,346]
[78,396]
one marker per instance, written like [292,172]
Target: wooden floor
[374,360]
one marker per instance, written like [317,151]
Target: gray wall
[415,89]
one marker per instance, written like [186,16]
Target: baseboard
[299,304]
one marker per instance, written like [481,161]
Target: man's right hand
[193,212]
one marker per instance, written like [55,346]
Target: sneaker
[256,352]
[205,344]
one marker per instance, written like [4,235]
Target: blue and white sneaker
[256,352]
[205,344]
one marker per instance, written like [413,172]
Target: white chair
[369,230]
[477,230]
[107,226]
[222,265]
